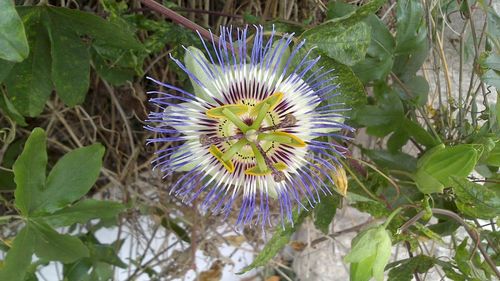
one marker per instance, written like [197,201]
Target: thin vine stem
[177,18]
[472,233]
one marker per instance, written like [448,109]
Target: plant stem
[175,17]
[472,233]
[391,216]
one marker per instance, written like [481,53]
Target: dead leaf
[297,246]
[213,274]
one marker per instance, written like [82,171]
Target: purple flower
[257,126]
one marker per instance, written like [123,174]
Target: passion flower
[256,127]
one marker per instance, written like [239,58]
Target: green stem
[391,216]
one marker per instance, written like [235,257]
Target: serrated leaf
[70,61]
[28,83]
[84,211]
[346,44]
[279,240]
[325,212]
[476,200]
[71,178]
[13,42]
[52,246]
[29,172]
[18,258]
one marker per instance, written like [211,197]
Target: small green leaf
[325,212]
[415,130]
[71,178]
[28,83]
[279,240]
[13,42]
[84,211]
[10,110]
[176,228]
[52,246]
[476,200]
[70,61]
[346,44]
[18,258]
[29,172]
[405,269]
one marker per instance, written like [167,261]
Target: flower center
[251,135]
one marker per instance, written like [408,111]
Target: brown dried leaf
[213,274]
[298,246]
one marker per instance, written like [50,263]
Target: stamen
[288,121]
[206,140]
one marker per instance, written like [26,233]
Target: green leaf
[352,91]
[114,68]
[476,200]
[18,258]
[348,15]
[279,240]
[410,27]
[405,269]
[71,178]
[387,115]
[415,130]
[28,83]
[13,42]
[84,211]
[52,246]
[70,61]
[29,172]
[10,156]
[325,212]
[380,54]
[10,110]
[346,44]
[5,68]
[439,165]
[394,161]
[97,28]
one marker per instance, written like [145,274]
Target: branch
[472,233]
[175,17]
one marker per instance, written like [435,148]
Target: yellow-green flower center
[249,131]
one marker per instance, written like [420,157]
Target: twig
[472,233]
[175,17]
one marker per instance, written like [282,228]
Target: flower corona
[255,128]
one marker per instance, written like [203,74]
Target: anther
[288,121]
[206,140]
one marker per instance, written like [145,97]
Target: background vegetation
[424,161]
